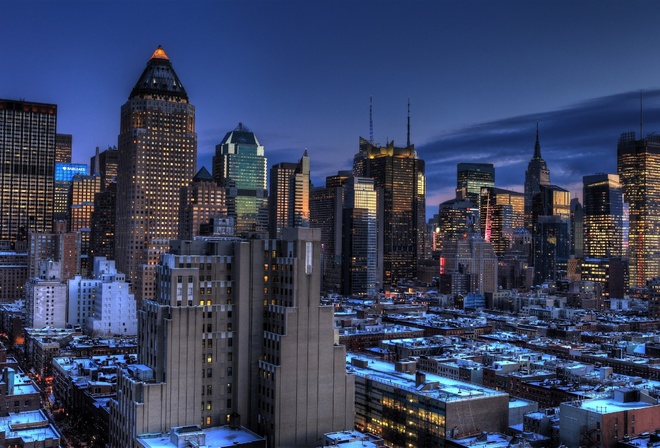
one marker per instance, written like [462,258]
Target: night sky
[479,75]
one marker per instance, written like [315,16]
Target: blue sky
[479,75]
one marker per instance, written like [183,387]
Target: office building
[104,164]
[471,178]
[638,167]
[551,243]
[157,155]
[400,175]
[64,173]
[361,252]
[81,206]
[27,131]
[408,408]
[326,205]
[213,351]
[537,174]
[577,228]
[239,166]
[200,201]
[455,216]
[501,212]
[603,216]
[102,235]
[288,202]
[468,265]
[60,245]
[63,148]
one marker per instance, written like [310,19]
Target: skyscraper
[27,133]
[501,212]
[288,202]
[400,174]
[104,164]
[202,200]
[81,206]
[361,256]
[471,178]
[64,173]
[603,216]
[157,155]
[638,166]
[551,236]
[537,174]
[239,165]
[63,148]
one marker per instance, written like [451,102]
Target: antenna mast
[641,117]
[371,122]
[408,140]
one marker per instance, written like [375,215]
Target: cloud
[578,140]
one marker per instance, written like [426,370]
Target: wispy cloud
[575,141]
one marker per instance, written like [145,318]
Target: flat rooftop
[217,436]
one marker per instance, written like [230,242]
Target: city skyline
[479,77]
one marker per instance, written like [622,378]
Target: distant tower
[501,212]
[202,200]
[157,156]
[27,133]
[63,148]
[638,165]
[537,174]
[81,206]
[239,165]
[106,164]
[551,216]
[471,178]
[603,216]
[288,201]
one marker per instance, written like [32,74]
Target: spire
[537,145]
[408,139]
[371,122]
[159,79]
[159,54]
[641,117]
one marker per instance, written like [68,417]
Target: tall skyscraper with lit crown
[638,166]
[400,174]
[157,156]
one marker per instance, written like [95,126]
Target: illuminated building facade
[455,217]
[501,212]
[468,265]
[361,256]
[638,166]
[64,173]
[400,175]
[603,216]
[27,131]
[157,155]
[537,174]
[104,164]
[471,178]
[81,206]
[239,165]
[102,235]
[202,200]
[63,148]
[289,198]
[60,246]
[408,408]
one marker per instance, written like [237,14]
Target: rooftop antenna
[408,140]
[371,122]
[641,117]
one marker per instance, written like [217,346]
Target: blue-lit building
[239,165]
[64,173]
